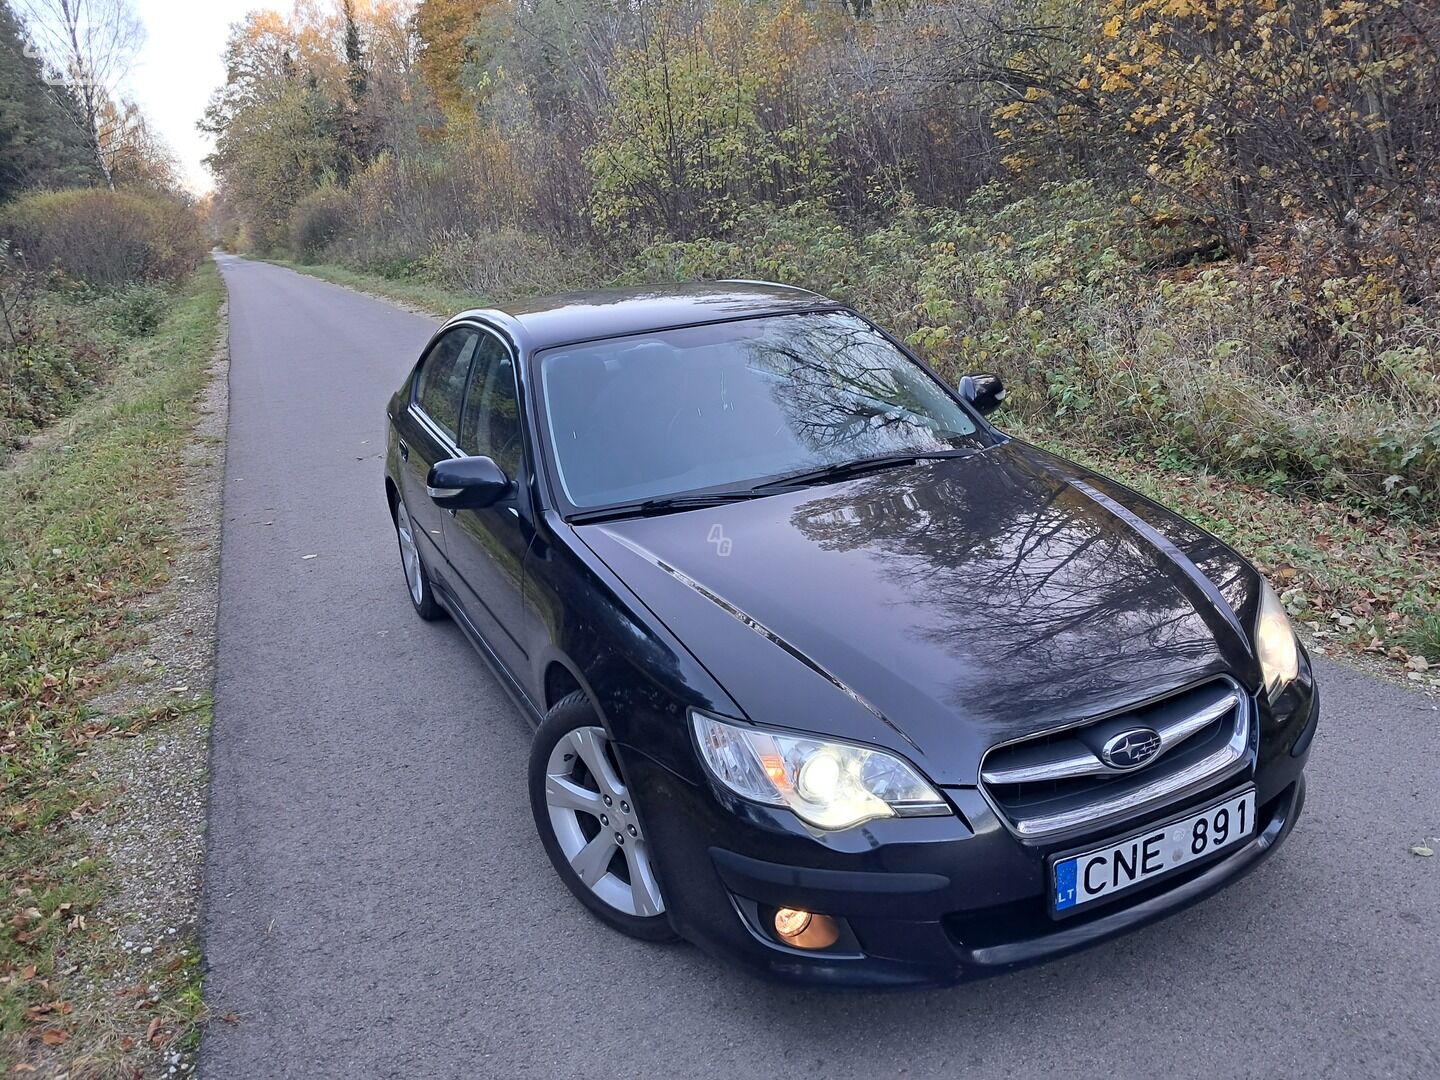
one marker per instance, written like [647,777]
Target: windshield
[732,404]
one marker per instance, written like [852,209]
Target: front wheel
[416,579]
[588,824]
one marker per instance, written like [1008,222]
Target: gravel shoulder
[108,591]
[152,832]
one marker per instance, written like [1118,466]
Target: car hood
[944,607]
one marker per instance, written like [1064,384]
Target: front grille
[1057,783]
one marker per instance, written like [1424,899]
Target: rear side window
[441,387]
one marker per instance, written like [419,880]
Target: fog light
[804,929]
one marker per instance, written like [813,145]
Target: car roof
[583,316]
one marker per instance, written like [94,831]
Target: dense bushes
[392,212]
[106,238]
[49,353]
[1052,291]
[318,220]
[81,272]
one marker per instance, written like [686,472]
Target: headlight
[832,785]
[1275,643]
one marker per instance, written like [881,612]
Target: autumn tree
[448,48]
[276,133]
[1253,113]
[134,153]
[698,123]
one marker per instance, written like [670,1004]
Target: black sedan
[829,676]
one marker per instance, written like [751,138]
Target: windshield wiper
[672,504]
[844,470]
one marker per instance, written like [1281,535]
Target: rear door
[430,432]
[487,547]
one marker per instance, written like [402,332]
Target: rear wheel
[588,823]
[417,581]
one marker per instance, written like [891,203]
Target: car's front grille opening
[1069,780]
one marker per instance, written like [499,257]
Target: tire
[573,771]
[417,578]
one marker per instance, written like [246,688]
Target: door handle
[404,450]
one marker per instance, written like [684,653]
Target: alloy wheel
[596,824]
[409,554]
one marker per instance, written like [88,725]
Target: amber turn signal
[804,929]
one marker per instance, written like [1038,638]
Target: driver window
[491,425]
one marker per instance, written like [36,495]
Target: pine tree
[40,144]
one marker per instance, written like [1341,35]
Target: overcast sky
[180,66]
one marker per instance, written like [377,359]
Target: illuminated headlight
[832,785]
[1275,643]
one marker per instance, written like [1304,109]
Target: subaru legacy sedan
[828,675]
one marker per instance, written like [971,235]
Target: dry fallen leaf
[152,1029]
[54,1036]
[304,557]
[1423,850]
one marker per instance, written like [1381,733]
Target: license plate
[1104,871]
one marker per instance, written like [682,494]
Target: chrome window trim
[434,430]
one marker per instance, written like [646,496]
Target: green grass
[87,525]
[443,302]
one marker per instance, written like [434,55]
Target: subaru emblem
[1130,749]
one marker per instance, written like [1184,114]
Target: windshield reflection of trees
[1025,579]
[847,393]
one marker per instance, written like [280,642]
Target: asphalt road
[378,905]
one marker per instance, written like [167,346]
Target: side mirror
[467,483]
[985,393]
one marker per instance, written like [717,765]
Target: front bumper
[926,901]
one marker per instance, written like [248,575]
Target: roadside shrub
[399,208]
[318,220]
[1052,291]
[50,353]
[502,264]
[106,238]
[139,310]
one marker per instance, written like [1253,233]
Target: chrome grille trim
[1072,758]
[1177,731]
[1206,770]
[1087,792]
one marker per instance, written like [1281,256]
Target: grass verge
[1360,582]
[89,525]
[441,302]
